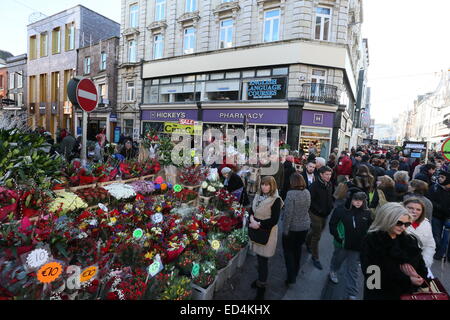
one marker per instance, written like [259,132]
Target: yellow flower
[113,220]
[158,209]
[149,255]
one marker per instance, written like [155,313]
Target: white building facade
[284,64]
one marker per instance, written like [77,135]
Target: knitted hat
[225,170]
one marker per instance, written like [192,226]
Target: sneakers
[333,277]
[317,264]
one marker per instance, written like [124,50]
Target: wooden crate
[107,183]
[87,186]
[198,293]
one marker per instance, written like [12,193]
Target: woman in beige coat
[264,215]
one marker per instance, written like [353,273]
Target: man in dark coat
[439,195]
[309,173]
[288,171]
[67,145]
[426,173]
[321,207]
[393,169]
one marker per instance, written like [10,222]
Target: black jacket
[304,175]
[234,183]
[321,198]
[391,173]
[440,198]
[379,249]
[424,176]
[288,171]
[353,223]
[379,171]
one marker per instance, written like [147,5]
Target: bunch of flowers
[209,188]
[226,223]
[120,191]
[239,236]
[150,138]
[143,187]
[206,275]
[104,172]
[149,167]
[161,186]
[193,176]
[130,169]
[185,195]
[34,201]
[66,202]
[83,177]
[223,257]
[223,200]
[176,287]
[186,261]
[134,287]
[92,196]
[8,202]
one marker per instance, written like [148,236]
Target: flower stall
[97,233]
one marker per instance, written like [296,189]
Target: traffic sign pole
[84,140]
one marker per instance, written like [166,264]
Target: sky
[408,44]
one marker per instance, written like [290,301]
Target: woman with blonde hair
[393,254]
[263,229]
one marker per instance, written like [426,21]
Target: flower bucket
[233,265]
[242,256]
[222,276]
[198,293]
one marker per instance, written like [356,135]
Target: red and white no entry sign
[87,96]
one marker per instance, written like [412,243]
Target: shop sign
[168,115]
[117,134]
[170,127]
[318,119]
[254,116]
[264,89]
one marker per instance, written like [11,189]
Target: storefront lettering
[237,115]
[265,89]
[170,115]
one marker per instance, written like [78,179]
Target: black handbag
[260,236]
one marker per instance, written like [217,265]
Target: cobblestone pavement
[312,284]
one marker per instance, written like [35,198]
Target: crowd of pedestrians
[382,209]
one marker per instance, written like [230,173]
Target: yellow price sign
[49,272]
[88,274]
[170,127]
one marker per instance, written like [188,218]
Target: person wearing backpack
[349,225]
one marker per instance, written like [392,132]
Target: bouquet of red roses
[194,176]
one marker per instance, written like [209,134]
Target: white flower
[211,189]
[120,191]
[204,185]
[82,235]
[93,222]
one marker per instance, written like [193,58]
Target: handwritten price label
[157,218]
[88,274]
[49,272]
[138,233]
[155,267]
[195,270]
[37,258]
[177,188]
[215,245]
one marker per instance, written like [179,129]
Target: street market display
[98,233]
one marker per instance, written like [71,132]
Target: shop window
[248,74]
[316,140]
[223,90]
[280,71]
[263,73]
[216,76]
[128,127]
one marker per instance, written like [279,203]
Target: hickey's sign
[267,89]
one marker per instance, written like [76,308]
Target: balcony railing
[319,92]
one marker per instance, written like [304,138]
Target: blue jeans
[352,268]
[441,231]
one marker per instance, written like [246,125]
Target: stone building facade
[202,60]
[17,86]
[100,63]
[52,62]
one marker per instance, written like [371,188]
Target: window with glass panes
[131,93]
[87,65]
[128,127]
[103,57]
[272,25]
[132,51]
[191,5]
[44,44]
[323,23]
[158,46]
[20,79]
[160,10]
[11,80]
[189,40]
[134,15]
[226,33]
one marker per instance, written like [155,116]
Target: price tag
[157,218]
[37,258]
[138,233]
[103,207]
[215,245]
[156,267]
[49,272]
[177,188]
[88,273]
[195,270]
